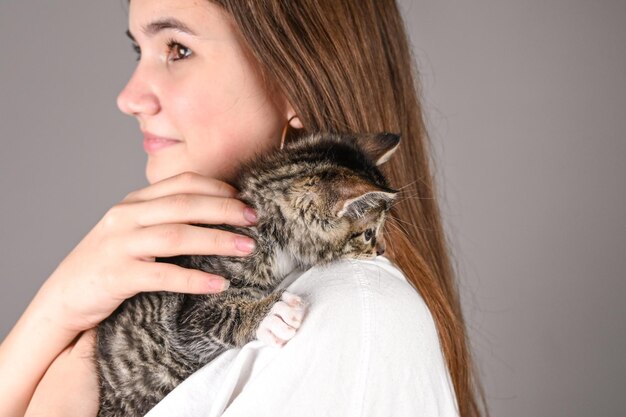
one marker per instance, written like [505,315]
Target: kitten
[319,199]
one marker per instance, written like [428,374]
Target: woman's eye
[137,50]
[369,234]
[179,51]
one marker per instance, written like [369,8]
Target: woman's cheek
[210,155]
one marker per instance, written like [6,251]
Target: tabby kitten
[319,199]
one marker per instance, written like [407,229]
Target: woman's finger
[159,276]
[189,208]
[165,240]
[185,183]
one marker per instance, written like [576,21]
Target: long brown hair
[346,66]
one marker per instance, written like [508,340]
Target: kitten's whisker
[405,222]
[414,182]
[394,218]
[399,228]
[414,196]
[407,185]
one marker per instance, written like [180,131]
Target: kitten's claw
[283,320]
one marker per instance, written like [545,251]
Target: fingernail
[244,244]
[219,284]
[250,214]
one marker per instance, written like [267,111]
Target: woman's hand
[116,259]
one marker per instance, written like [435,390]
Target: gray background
[526,104]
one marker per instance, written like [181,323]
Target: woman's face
[195,83]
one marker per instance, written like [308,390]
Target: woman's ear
[296,123]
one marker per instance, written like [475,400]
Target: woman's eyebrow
[155,27]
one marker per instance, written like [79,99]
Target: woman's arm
[70,385]
[113,262]
[25,354]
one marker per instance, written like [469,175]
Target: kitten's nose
[380,248]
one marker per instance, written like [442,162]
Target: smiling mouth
[153,143]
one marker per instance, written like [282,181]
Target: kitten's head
[331,196]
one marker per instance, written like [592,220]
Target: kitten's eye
[369,234]
[178,50]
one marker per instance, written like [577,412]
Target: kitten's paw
[283,320]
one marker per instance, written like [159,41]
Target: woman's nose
[138,98]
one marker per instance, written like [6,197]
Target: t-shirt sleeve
[368,346]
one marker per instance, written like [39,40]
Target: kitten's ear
[355,200]
[379,146]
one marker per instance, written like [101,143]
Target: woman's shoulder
[350,277]
[371,296]
[369,328]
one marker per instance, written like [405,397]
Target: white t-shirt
[367,346]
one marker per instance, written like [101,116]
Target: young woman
[216,82]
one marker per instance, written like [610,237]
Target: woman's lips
[153,143]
